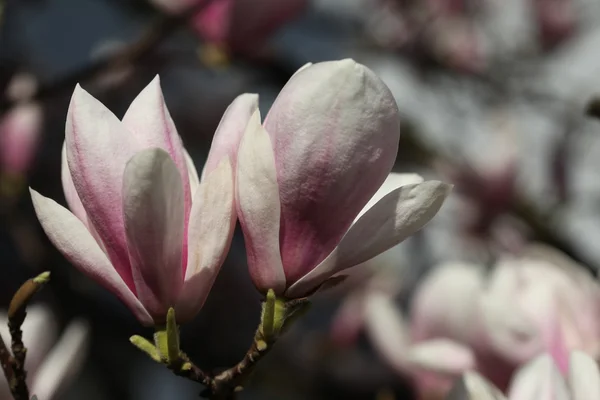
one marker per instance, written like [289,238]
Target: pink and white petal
[154,223]
[395,217]
[63,362]
[72,239]
[98,146]
[387,330]
[192,173]
[442,356]
[472,386]
[212,222]
[69,189]
[335,129]
[540,379]
[148,119]
[258,207]
[584,377]
[228,135]
[73,198]
[393,181]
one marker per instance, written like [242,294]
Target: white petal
[392,182]
[212,221]
[154,223]
[226,140]
[540,379]
[73,240]
[395,217]
[388,330]
[98,147]
[472,386]
[442,356]
[192,172]
[259,208]
[63,362]
[148,119]
[71,195]
[584,377]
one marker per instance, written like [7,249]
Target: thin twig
[164,27]
[6,361]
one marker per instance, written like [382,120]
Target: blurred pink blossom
[52,361]
[142,223]
[241,25]
[463,318]
[20,130]
[539,379]
[556,20]
[303,177]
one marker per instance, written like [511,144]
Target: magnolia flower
[52,362]
[303,177]
[461,319]
[238,24]
[540,379]
[19,137]
[141,222]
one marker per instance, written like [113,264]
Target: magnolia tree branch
[131,54]
[277,316]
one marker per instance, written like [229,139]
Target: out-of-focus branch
[155,34]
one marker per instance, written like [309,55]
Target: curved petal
[72,239]
[335,129]
[192,172]
[394,218]
[148,119]
[584,377]
[154,224]
[258,207]
[230,130]
[63,362]
[388,330]
[71,195]
[540,379]
[392,182]
[441,356]
[212,222]
[98,147]
[472,386]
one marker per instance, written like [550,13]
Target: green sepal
[166,340]
[173,352]
[146,346]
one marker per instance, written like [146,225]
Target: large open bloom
[303,177]
[141,223]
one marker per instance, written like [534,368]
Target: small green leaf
[146,346]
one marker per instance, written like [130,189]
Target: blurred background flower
[53,357]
